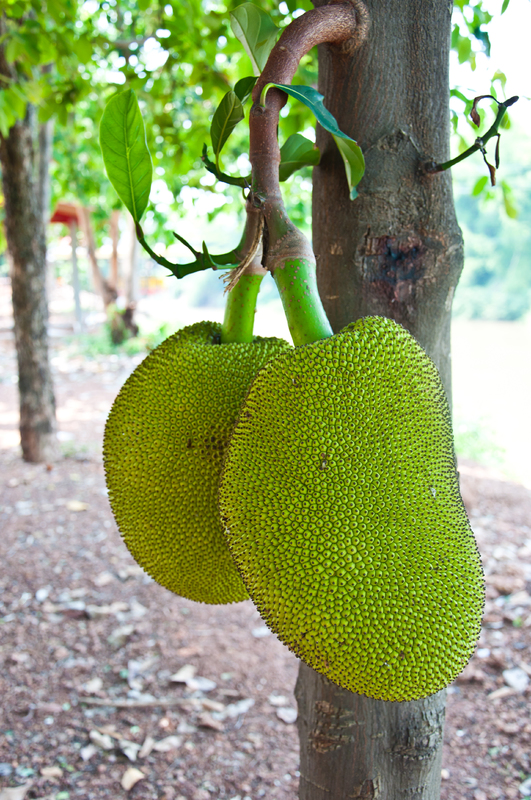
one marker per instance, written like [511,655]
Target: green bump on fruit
[341,503]
[164,444]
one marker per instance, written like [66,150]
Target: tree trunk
[102,286]
[78,325]
[27,248]
[131,288]
[115,235]
[397,252]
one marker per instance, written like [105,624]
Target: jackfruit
[341,505]
[164,444]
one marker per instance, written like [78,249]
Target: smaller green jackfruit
[164,444]
[341,505]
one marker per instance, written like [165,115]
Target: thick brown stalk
[287,253]
[342,24]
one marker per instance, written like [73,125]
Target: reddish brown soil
[63,642]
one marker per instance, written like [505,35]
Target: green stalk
[297,286]
[291,260]
[240,310]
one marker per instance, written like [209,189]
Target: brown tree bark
[115,235]
[25,234]
[107,292]
[396,251]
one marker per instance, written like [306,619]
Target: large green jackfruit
[341,505]
[163,448]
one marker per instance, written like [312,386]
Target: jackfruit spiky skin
[341,505]
[163,448]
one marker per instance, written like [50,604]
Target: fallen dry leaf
[130,777]
[206,720]
[212,705]
[16,792]
[93,686]
[504,691]
[129,749]
[277,700]
[287,715]
[235,709]
[130,571]
[200,684]
[147,747]
[110,730]
[119,636]
[51,772]
[76,505]
[104,611]
[261,632]
[184,674]
[103,740]
[167,744]
[87,752]
[103,579]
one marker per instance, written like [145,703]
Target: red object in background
[66,213]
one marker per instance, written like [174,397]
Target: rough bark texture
[27,249]
[364,749]
[396,251]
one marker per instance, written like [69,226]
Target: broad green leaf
[256,31]
[125,152]
[296,152]
[244,87]
[349,149]
[313,100]
[226,117]
[479,185]
[353,160]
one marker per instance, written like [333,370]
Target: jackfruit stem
[238,322]
[297,286]
[241,299]
[288,254]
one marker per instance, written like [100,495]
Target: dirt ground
[105,677]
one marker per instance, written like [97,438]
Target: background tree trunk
[397,252]
[25,235]
[115,236]
[102,286]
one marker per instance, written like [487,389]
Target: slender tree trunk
[75,276]
[397,252]
[131,266]
[27,248]
[101,285]
[115,235]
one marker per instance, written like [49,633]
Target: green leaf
[505,5]
[510,208]
[244,87]
[479,185]
[353,160]
[226,117]
[349,149]
[256,31]
[313,100]
[297,152]
[125,152]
